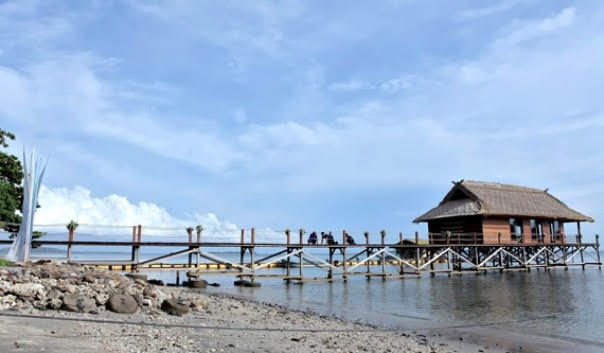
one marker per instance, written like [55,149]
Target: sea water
[564,304]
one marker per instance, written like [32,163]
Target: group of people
[327,237]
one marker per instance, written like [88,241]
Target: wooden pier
[338,262]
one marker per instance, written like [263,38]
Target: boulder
[246,283]
[54,304]
[78,303]
[28,290]
[199,304]
[157,282]
[54,293]
[135,276]
[198,283]
[122,304]
[174,307]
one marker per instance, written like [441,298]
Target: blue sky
[332,115]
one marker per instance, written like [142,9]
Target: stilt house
[492,213]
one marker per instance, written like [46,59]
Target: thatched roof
[471,198]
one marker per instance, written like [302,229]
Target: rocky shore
[55,307]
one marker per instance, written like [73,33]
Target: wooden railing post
[344,238]
[301,233]
[288,235]
[133,255]
[71,231]
[253,236]
[400,238]
[499,238]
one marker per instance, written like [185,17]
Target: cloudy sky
[283,114]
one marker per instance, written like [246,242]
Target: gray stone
[246,283]
[54,304]
[199,304]
[78,303]
[54,293]
[174,307]
[198,283]
[29,290]
[122,304]
[135,276]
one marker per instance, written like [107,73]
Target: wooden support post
[449,263]
[288,266]
[133,257]
[476,256]
[383,256]
[368,253]
[139,238]
[69,253]
[198,247]
[177,278]
[598,250]
[417,251]
[580,240]
[500,253]
[330,271]
[400,253]
[242,250]
[190,234]
[252,253]
[301,233]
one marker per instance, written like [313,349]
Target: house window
[516,228]
[536,230]
[554,230]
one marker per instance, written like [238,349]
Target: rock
[29,290]
[246,283]
[198,283]
[174,307]
[199,304]
[135,276]
[78,303]
[147,303]
[54,304]
[157,282]
[54,293]
[122,304]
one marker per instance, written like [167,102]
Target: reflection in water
[555,302]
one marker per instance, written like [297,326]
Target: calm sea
[568,305]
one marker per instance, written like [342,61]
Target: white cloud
[60,205]
[530,30]
[350,85]
[474,13]
[398,84]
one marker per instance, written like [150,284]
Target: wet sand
[228,325]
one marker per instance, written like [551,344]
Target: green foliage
[199,228]
[383,232]
[302,231]
[189,229]
[4,262]
[72,226]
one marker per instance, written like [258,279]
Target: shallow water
[556,303]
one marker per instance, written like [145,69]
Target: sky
[285,114]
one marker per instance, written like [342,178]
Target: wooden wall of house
[456,225]
[491,227]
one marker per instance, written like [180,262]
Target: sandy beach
[228,325]
[114,313]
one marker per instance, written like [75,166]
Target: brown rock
[78,303]
[122,304]
[174,307]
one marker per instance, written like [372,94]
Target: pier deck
[338,261]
